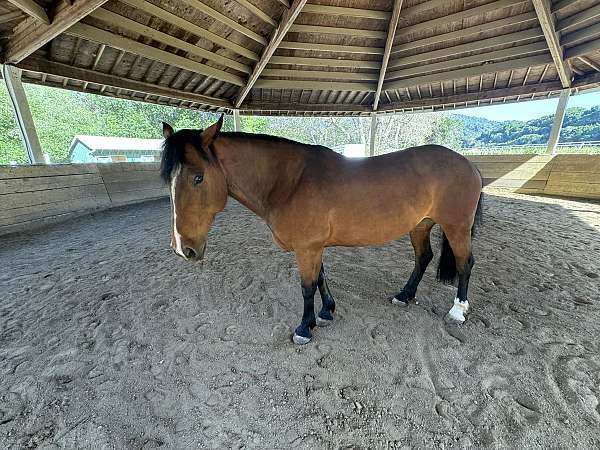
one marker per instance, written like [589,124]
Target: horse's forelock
[173,151]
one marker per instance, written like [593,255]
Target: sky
[530,109]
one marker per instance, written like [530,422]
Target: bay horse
[312,197]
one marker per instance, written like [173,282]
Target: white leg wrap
[459,310]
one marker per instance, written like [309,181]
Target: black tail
[446,272]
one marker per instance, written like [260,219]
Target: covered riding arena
[110,341]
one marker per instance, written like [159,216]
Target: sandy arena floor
[109,341]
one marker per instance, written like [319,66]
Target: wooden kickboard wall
[41,194]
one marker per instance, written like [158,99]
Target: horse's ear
[210,134]
[167,130]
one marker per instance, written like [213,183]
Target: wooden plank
[257,12]
[458,16]
[26,213]
[583,190]
[542,9]
[589,14]
[197,4]
[41,65]
[346,12]
[286,22]
[577,163]
[509,158]
[100,36]
[320,74]
[315,85]
[292,45]
[50,196]
[324,62]
[465,32]
[10,16]
[129,166]
[461,99]
[33,9]
[135,185]
[480,44]
[318,29]
[575,177]
[583,49]
[387,50]
[119,198]
[581,35]
[513,184]
[512,52]
[138,175]
[32,35]
[171,18]
[42,170]
[519,63]
[517,174]
[149,32]
[15,185]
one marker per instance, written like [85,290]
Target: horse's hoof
[458,311]
[300,340]
[323,322]
[395,301]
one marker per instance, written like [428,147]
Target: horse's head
[197,183]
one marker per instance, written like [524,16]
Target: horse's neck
[258,174]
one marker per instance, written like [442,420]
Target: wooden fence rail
[42,194]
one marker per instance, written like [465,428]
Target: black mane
[173,147]
[173,154]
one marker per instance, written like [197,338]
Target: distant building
[92,149]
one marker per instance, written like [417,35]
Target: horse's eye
[198,179]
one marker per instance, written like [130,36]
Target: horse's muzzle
[190,253]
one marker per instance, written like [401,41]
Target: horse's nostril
[190,253]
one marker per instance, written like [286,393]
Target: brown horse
[312,198]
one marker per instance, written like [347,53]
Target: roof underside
[298,57]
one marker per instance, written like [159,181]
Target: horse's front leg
[309,265]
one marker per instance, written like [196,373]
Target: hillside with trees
[59,115]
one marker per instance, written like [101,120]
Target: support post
[16,93]
[237,123]
[558,120]
[372,134]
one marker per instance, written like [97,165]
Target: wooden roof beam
[592,13]
[149,32]
[323,62]
[31,35]
[387,50]
[316,85]
[346,12]
[257,12]
[464,32]
[10,16]
[334,48]
[166,16]
[100,36]
[542,9]
[513,64]
[33,9]
[286,22]
[197,4]
[41,65]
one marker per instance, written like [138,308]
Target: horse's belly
[371,229]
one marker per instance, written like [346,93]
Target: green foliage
[59,115]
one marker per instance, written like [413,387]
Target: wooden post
[558,120]
[237,124]
[372,134]
[12,78]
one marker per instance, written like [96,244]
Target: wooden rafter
[542,9]
[388,48]
[286,22]
[292,45]
[465,32]
[100,36]
[33,9]
[149,32]
[513,64]
[31,35]
[10,16]
[41,65]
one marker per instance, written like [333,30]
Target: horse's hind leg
[325,316]
[419,237]
[460,242]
